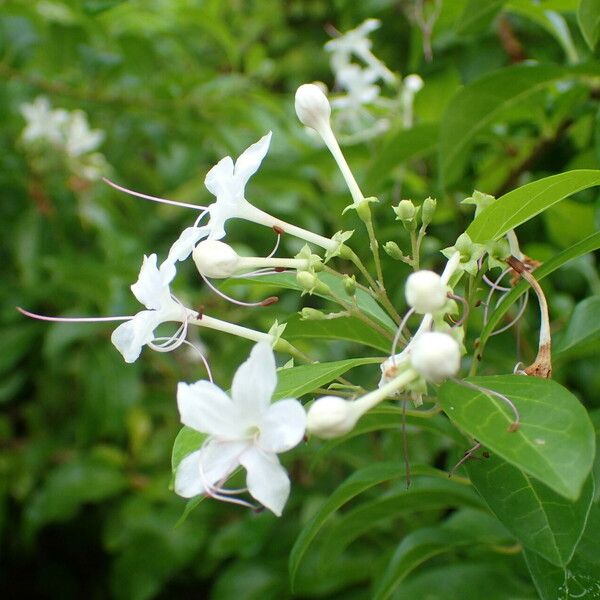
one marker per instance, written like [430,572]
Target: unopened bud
[435,356]
[306,280]
[427,209]
[413,83]
[215,259]
[330,417]
[406,210]
[312,107]
[425,292]
[350,285]
[312,314]
[392,249]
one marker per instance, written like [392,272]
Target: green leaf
[477,14]
[588,17]
[187,441]
[579,580]
[424,494]
[423,544]
[589,244]
[399,147]
[356,484]
[343,328]
[479,104]
[583,331]
[297,381]
[526,202]
[539,518]
[555,442]
[288,281]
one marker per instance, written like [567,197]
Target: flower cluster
[49,133]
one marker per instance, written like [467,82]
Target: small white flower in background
[79,138]
[152,290]
[360,87]
[43,123]
[244,429]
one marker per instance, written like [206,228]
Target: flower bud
[427,209]
[392,249]
[406,210]
[306,280]
[215,259]
[312,314]
[435,356]
[350,285]
[425,292]
[330,417]
[413,83]
[312,107]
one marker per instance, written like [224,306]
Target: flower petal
[249,161]
[267,480]
[218,179]
[181,249]
[254,382]
[130,337]
[205,407]
[151,289]
[282,426]
[207,467]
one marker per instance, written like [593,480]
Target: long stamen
[479,388]
[266,302]
[517,317]
[215,492]
[399,330]
[152,198]
[200,217]
[277,242]
[492,284]
[39,317]
[173,342]
[466,456]
[465,304]
[493,288]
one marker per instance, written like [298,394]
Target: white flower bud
[215,259]
[312,107]
[414,83]
[425,292]
[435,356]
[330,417]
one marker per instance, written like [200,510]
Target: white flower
[435,356]
[227,181]
[152,290]
[425,292]
[245,430]
[359,84]
[79,138]
[43,123]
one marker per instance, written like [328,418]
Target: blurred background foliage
[85,504]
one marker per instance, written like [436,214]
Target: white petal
[208,466]
[282,426]
[150,288]
[267,480]
[254,382]
[249,161]
[181,249]
[218,179]
[130,337]
[206,408]
[188,482]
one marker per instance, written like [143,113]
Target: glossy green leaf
[589,244]
[479,104]
[520,205]
[538,517]
[294,382]
[555,442]
[345,328]
[423,544]
[588,17]
[583,331]
[356,484]
[288,281]
[477,14]
[399,147]
[424,494]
